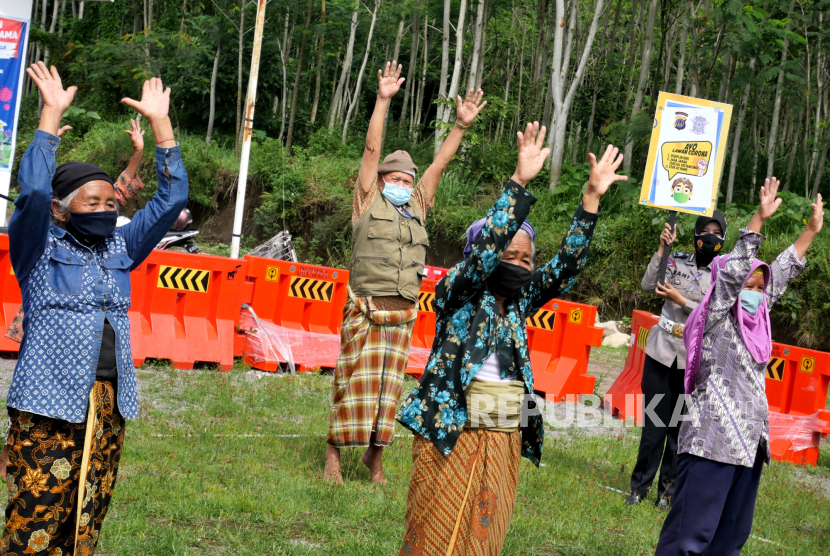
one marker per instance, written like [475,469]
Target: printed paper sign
[685,159]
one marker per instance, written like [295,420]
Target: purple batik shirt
[728,407]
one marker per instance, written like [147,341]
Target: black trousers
[658,442]
[713,510]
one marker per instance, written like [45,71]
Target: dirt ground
[606,364]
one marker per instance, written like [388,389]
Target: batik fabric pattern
[728,406]
[468,331]
[368,378]
[43,475]
[461,504]
[126,188]
[361,202]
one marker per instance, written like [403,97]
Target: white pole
[250,101]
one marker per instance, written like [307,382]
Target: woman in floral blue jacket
[465,468]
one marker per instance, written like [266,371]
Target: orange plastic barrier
[435,272]
[423,333]
[10,292]
[560,337]
[185,307]
[295,296]
[796,385]
[621,398]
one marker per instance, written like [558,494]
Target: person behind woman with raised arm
[74,382]
[388,255]
[724,443]
[465,459]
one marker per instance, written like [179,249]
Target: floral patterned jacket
[469,326]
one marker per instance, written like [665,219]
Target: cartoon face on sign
[686,157]
[682,190]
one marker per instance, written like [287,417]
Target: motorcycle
[177,236]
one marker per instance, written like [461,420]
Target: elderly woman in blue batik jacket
[465,465]
[74,383]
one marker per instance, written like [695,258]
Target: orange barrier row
[9,294]
[620,398]
[423,333]
[797,381]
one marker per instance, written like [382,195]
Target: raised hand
[49,84]
[466,110]
[63,130]
[817,218]
[531,154]
[603,172]
[154,103]
[136,135]
[769,204]
[390,80]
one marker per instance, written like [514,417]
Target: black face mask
[508,279]
[707,247]
[92,227]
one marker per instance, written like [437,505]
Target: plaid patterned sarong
[368,379]
[461,504]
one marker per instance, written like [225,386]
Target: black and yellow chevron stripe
[187,279]
[542,319]
[775,368]
[642,337]
[426,302]
[310,288]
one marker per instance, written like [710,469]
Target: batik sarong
[374,348]
[43,475]
[461,504]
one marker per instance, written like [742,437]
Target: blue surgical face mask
[396,194]
[751,300]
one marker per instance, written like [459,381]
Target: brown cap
[398,161]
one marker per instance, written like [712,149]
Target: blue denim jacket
[69,289]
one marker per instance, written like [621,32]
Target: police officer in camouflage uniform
[687,279]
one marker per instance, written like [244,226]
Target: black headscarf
[708,246]
[73,175]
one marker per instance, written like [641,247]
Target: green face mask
[681,197]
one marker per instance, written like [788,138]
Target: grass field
[225,464]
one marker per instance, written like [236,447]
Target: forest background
[590,70]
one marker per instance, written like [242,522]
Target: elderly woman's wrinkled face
[399,178]
[755,283]
[94,196]
[519,252]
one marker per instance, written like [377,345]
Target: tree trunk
[445,70]
[213,77]
[297,78]
[409,84]
[724,82]
[320,42]
[561,105]
[396,53]
[239,72]
[681,64]
[284,46]
[755,148]
[423,74]
[456,70]
[819,172]
[796,131]
[645,66]
[736,143]
[472,78]
[356,97]
[776,110]
[346,68]
[518,115]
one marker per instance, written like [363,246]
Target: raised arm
[731,278]
[561,272]
[789,264]
[651,278]
[465,112]
[29,226]
[137,139]
[150,224]
[389,83]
